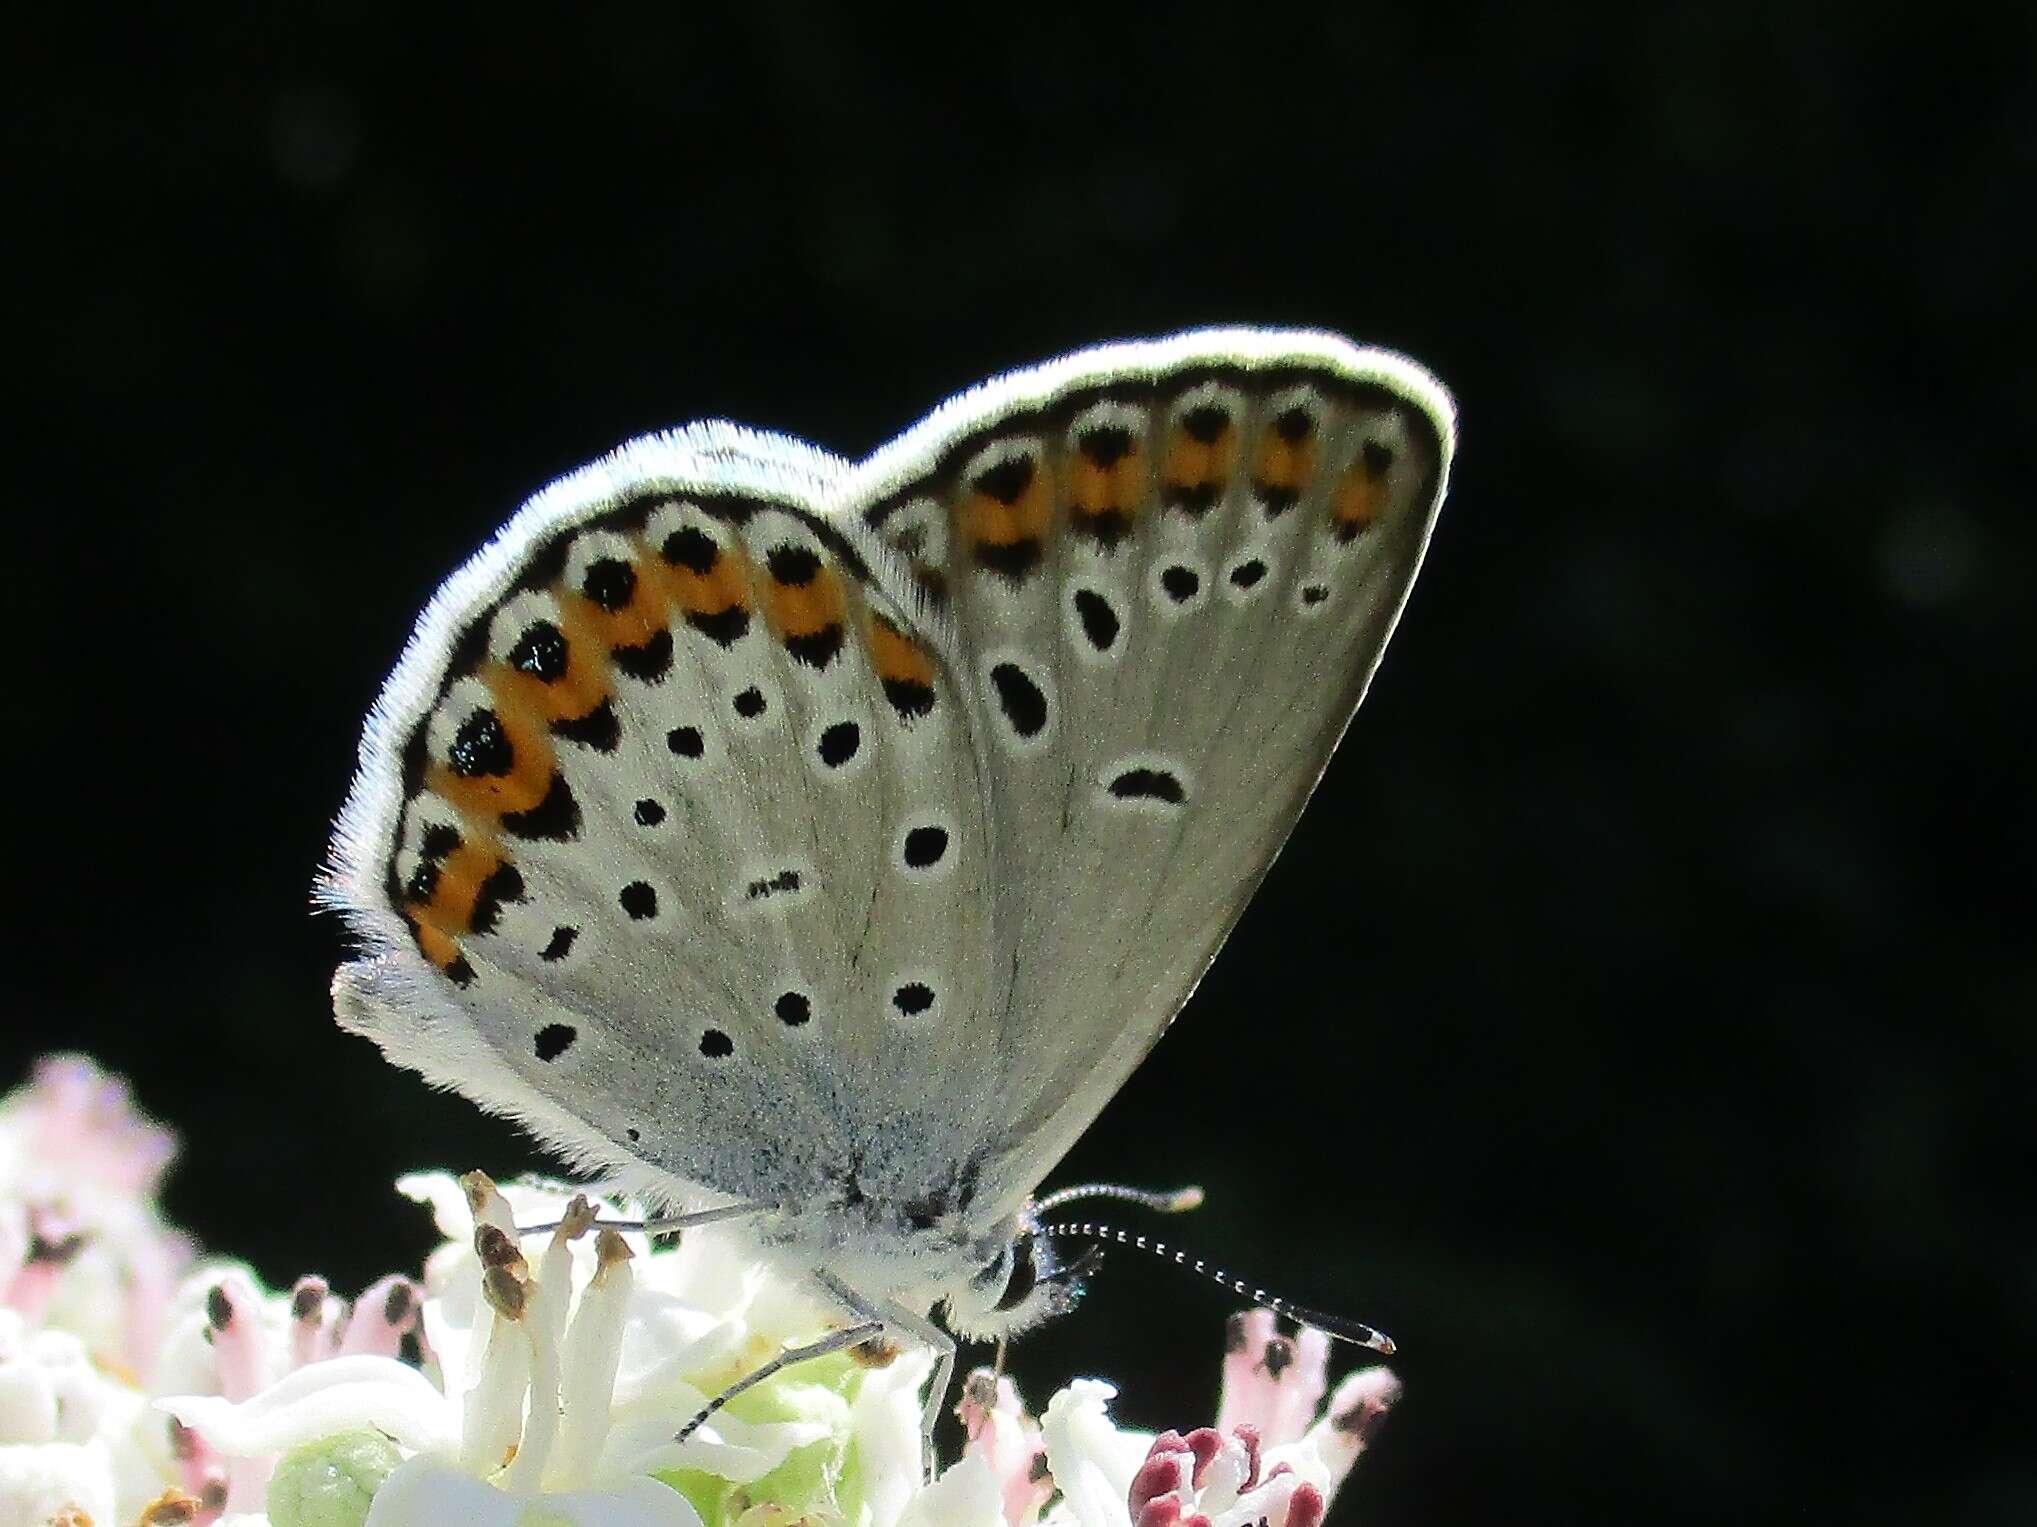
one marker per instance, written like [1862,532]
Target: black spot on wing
[722,627]
[540,652]
[424,880]
[1099,620]
[685,742]
[716,1045]
[1107,527]
[691,548]
[750,703]
[1245,574]
[1148,785]
[1206,423]
[839,743]
[1106,444]
[481,748]
[648,661]
[554,1040]
[925,847]
[560,945]
[648,813]
[610,582]
[1007,481]
[909,697]
[639,899]
[505,884]
[816,649]
[416,757]
[794,566]
[1021,699]
[556,818]
[773,885]
[1011,559]
[1294,425]
[913,998]
[1181,584]
[793,1008]
[598,729]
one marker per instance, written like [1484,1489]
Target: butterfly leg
[663,1225]
[834,1341]
[896,1317]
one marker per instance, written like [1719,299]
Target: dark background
[1659,1076]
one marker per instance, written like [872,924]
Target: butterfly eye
[1024,1273]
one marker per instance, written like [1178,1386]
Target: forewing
[665,824]
[1170,570]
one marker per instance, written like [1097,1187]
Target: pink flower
[81,1243]
[1009,1441]
[1275,1458]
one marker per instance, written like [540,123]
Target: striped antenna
[1171,1201]
[1354,1331]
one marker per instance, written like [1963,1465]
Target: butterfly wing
[654,825]
[1171,569]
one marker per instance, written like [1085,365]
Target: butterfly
[820,844]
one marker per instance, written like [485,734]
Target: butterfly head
[1020,1281]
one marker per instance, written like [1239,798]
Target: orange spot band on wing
[634,623]
[529,776]
[456,889]
[896,656]
[1095,490]
[582,687]
[1192,464]
[721,588]
[1361,497]
[438,946]
[805,609]
[986,520]
[1284,464]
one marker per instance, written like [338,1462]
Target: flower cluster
[533,1380]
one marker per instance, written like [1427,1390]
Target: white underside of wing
[783,852]
[1111,905]
[990,840]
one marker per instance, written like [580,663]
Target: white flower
[541,1380]
[72,1438]
[559,1388]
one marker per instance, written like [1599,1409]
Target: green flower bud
[329,1483]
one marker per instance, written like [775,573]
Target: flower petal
[41,1483]
[424,1493]
[1091,1460]
[726,1447]
[321,1399]
[965,1496]
[1326,1454]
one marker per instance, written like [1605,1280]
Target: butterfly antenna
[1354,1331]
[1176,1201]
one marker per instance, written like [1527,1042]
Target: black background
[1639,1025]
